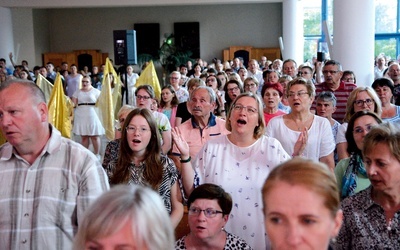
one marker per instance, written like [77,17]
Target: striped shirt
[41,204]
[342,94]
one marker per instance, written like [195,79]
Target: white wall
[221,26]
[6,41]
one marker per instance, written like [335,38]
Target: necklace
[303,123]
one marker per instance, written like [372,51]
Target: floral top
[169,177]
[233,242]
[364,225]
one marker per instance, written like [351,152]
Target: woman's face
[222,79]
[325,108]
[244,116]
[129,70]
[364,97]
[203,227]
[122,239]
[233,91]
[138,134]
[243,74]
[384,93]
[348,78]
[212,82]
[23,75]
[362,126]
[383,169]
[167,95]
[197,69]
[271,98]
[273,77]
[143,99]
[251,86]
[298,98]
[299,219]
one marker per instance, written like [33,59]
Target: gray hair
[211,93]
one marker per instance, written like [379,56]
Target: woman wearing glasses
[239,162]
[302,125]
[361,98]
[140,162]
[209,208]
[232,89]
[86,121]
[351,175]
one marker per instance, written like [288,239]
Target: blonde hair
[352,98]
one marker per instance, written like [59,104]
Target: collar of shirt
[211,121]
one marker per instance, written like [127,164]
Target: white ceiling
[117,3]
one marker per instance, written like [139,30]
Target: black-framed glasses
[142,97]
[208,212]
[360,103]
[233,89]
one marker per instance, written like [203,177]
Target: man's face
[43,72]
[64,66]
[394,72]
[253,66]
[236,62]
[332,76]
[2,64]
[50,68]
[289,68]
[200,104]
[20,117]
[184,71]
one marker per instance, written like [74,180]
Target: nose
[293,235]
[4,120]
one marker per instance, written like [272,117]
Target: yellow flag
[60,108]
[116,89]
[2,138]
[105,104]
[45,86]
[149,77]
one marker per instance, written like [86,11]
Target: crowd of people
[306,147]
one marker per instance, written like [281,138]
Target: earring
[333,240]
[223,229]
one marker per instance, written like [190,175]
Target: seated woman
[384,88]
[209,208]
[169,103]
[251,85]
[301,122]
[301,206]
[214,82]
[371,217]
[361,98]
[350,172]
[272,95]
[140,162]
[125,217]
[232,89]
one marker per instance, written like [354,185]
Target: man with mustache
[332,72]
[203,125]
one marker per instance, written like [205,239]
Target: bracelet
[187,160]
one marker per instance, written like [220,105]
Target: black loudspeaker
[148,38]
[187,37]
[125,47]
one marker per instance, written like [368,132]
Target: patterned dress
[241,171]
[233,242]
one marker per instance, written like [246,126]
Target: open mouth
[136,141]
[241,121]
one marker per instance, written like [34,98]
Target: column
[292,25]
[354,37]
[6,31]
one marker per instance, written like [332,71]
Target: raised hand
[180,143]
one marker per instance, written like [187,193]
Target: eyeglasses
[299,94]
[332,72]
[208,212]
[249,109]
[174,78]
[360,103]
[233,89]
[360,130]
[132,130]
[251,85]
[141,97]
[85,81]
[349,79]
[211,80]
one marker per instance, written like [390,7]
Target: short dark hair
[383,82]
[212,192]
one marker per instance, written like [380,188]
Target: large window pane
[387,47]
[310,49]
[386,16]
[312,18]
